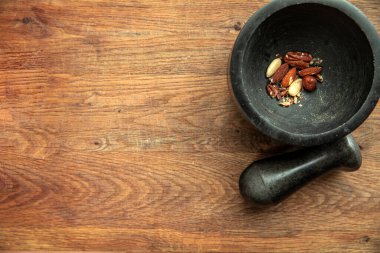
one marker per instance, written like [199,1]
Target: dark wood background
[118,132]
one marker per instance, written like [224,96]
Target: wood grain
[118,132]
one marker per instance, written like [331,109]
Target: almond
[280,73]
[310,71]
[295,87]
[273,67]
[289,77]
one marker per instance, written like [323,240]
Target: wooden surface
[118,132]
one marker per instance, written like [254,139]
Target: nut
[272,90]
[310,71]
[295,87]
[319,77]
[299,56]
[290,74]
[285,103]
[284,93]
[316,62]
[272,68]
[297,64]
[280,73]
[289,77]
[309,83]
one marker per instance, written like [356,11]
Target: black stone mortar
[341,35]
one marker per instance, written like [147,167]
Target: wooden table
[118,132]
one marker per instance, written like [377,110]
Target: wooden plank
[119,133]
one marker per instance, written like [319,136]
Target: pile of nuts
[290,74]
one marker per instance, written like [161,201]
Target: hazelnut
[309,83]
